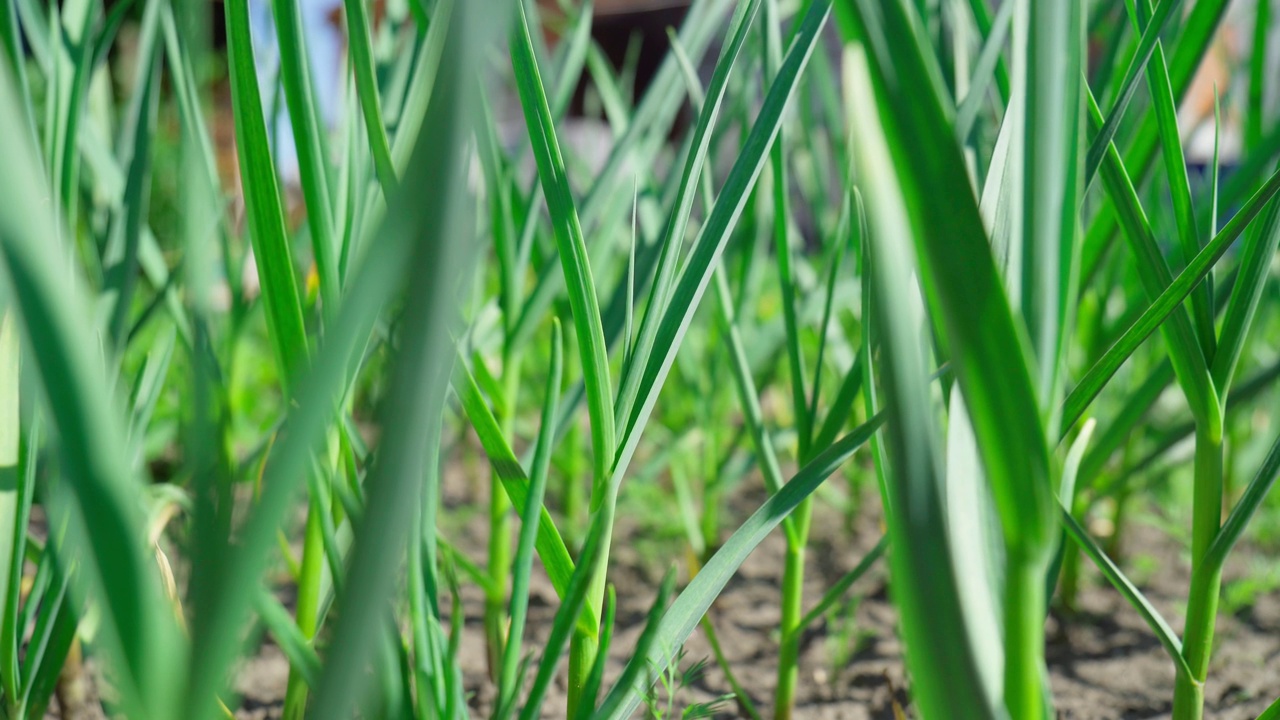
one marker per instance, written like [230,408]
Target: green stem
[1206,578]
[583,646]
[1069,587]
[1115,543]
[1024,669]
[495,608]
[307,613]
[582,655]
[792,612]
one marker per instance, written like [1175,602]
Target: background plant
[910,244]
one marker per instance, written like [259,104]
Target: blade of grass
[419,379]
[594,680]
[121,255]
[715,233]
[673,236]
[1245,508]
[1184,348]
[139,632]
[530,519]
[15,502]
[837,590]
[1137,65]
[1179,185]
[650,637]
[749,396]
[74,66]
[685,613]
[908,199]
[570,245]
[263,209]
[1167,637]
[575,50]
[781,212]
[1050,194]
[1165,304]
[378,275]
[1255,117]
[551,547]
[11,37]
[360,45]
[1198,30]
[1259,248]
[985,70]
[296,647]
[567,617]
[313,164]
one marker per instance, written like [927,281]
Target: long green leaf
[15,497]
[1166,303]
[1256,254]
[1168,638]
[140,635]
[419,379]
[379,275]
[364,69]
[1184,348]
[550,544]
[1246,507]
[263,208]
[530,524]
[304,116]
[688,609]
[571,246]
[1179,186]
[1137,65]
[572,609]
[960,281]
[715,233]
[678,221]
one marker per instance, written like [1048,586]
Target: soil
[1104,663]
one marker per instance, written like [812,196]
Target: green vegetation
[935,237]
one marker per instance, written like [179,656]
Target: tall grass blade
[1179,185]
[1165,304]
[138,631]
[313,164]
[360,45]
[715,233]
[263,208]
[1168,638]
[1137,65]
[689,607]
[551,547]
[530,520]
[570,245]
[572,605]
[673,236]
[420,377]
[1184,347]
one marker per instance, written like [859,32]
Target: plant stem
[495,608]
[1206,579]
[307,613]
[792,612]
[582,645]
[582,655]
[1069,585]
[1024,634]
[495,620]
